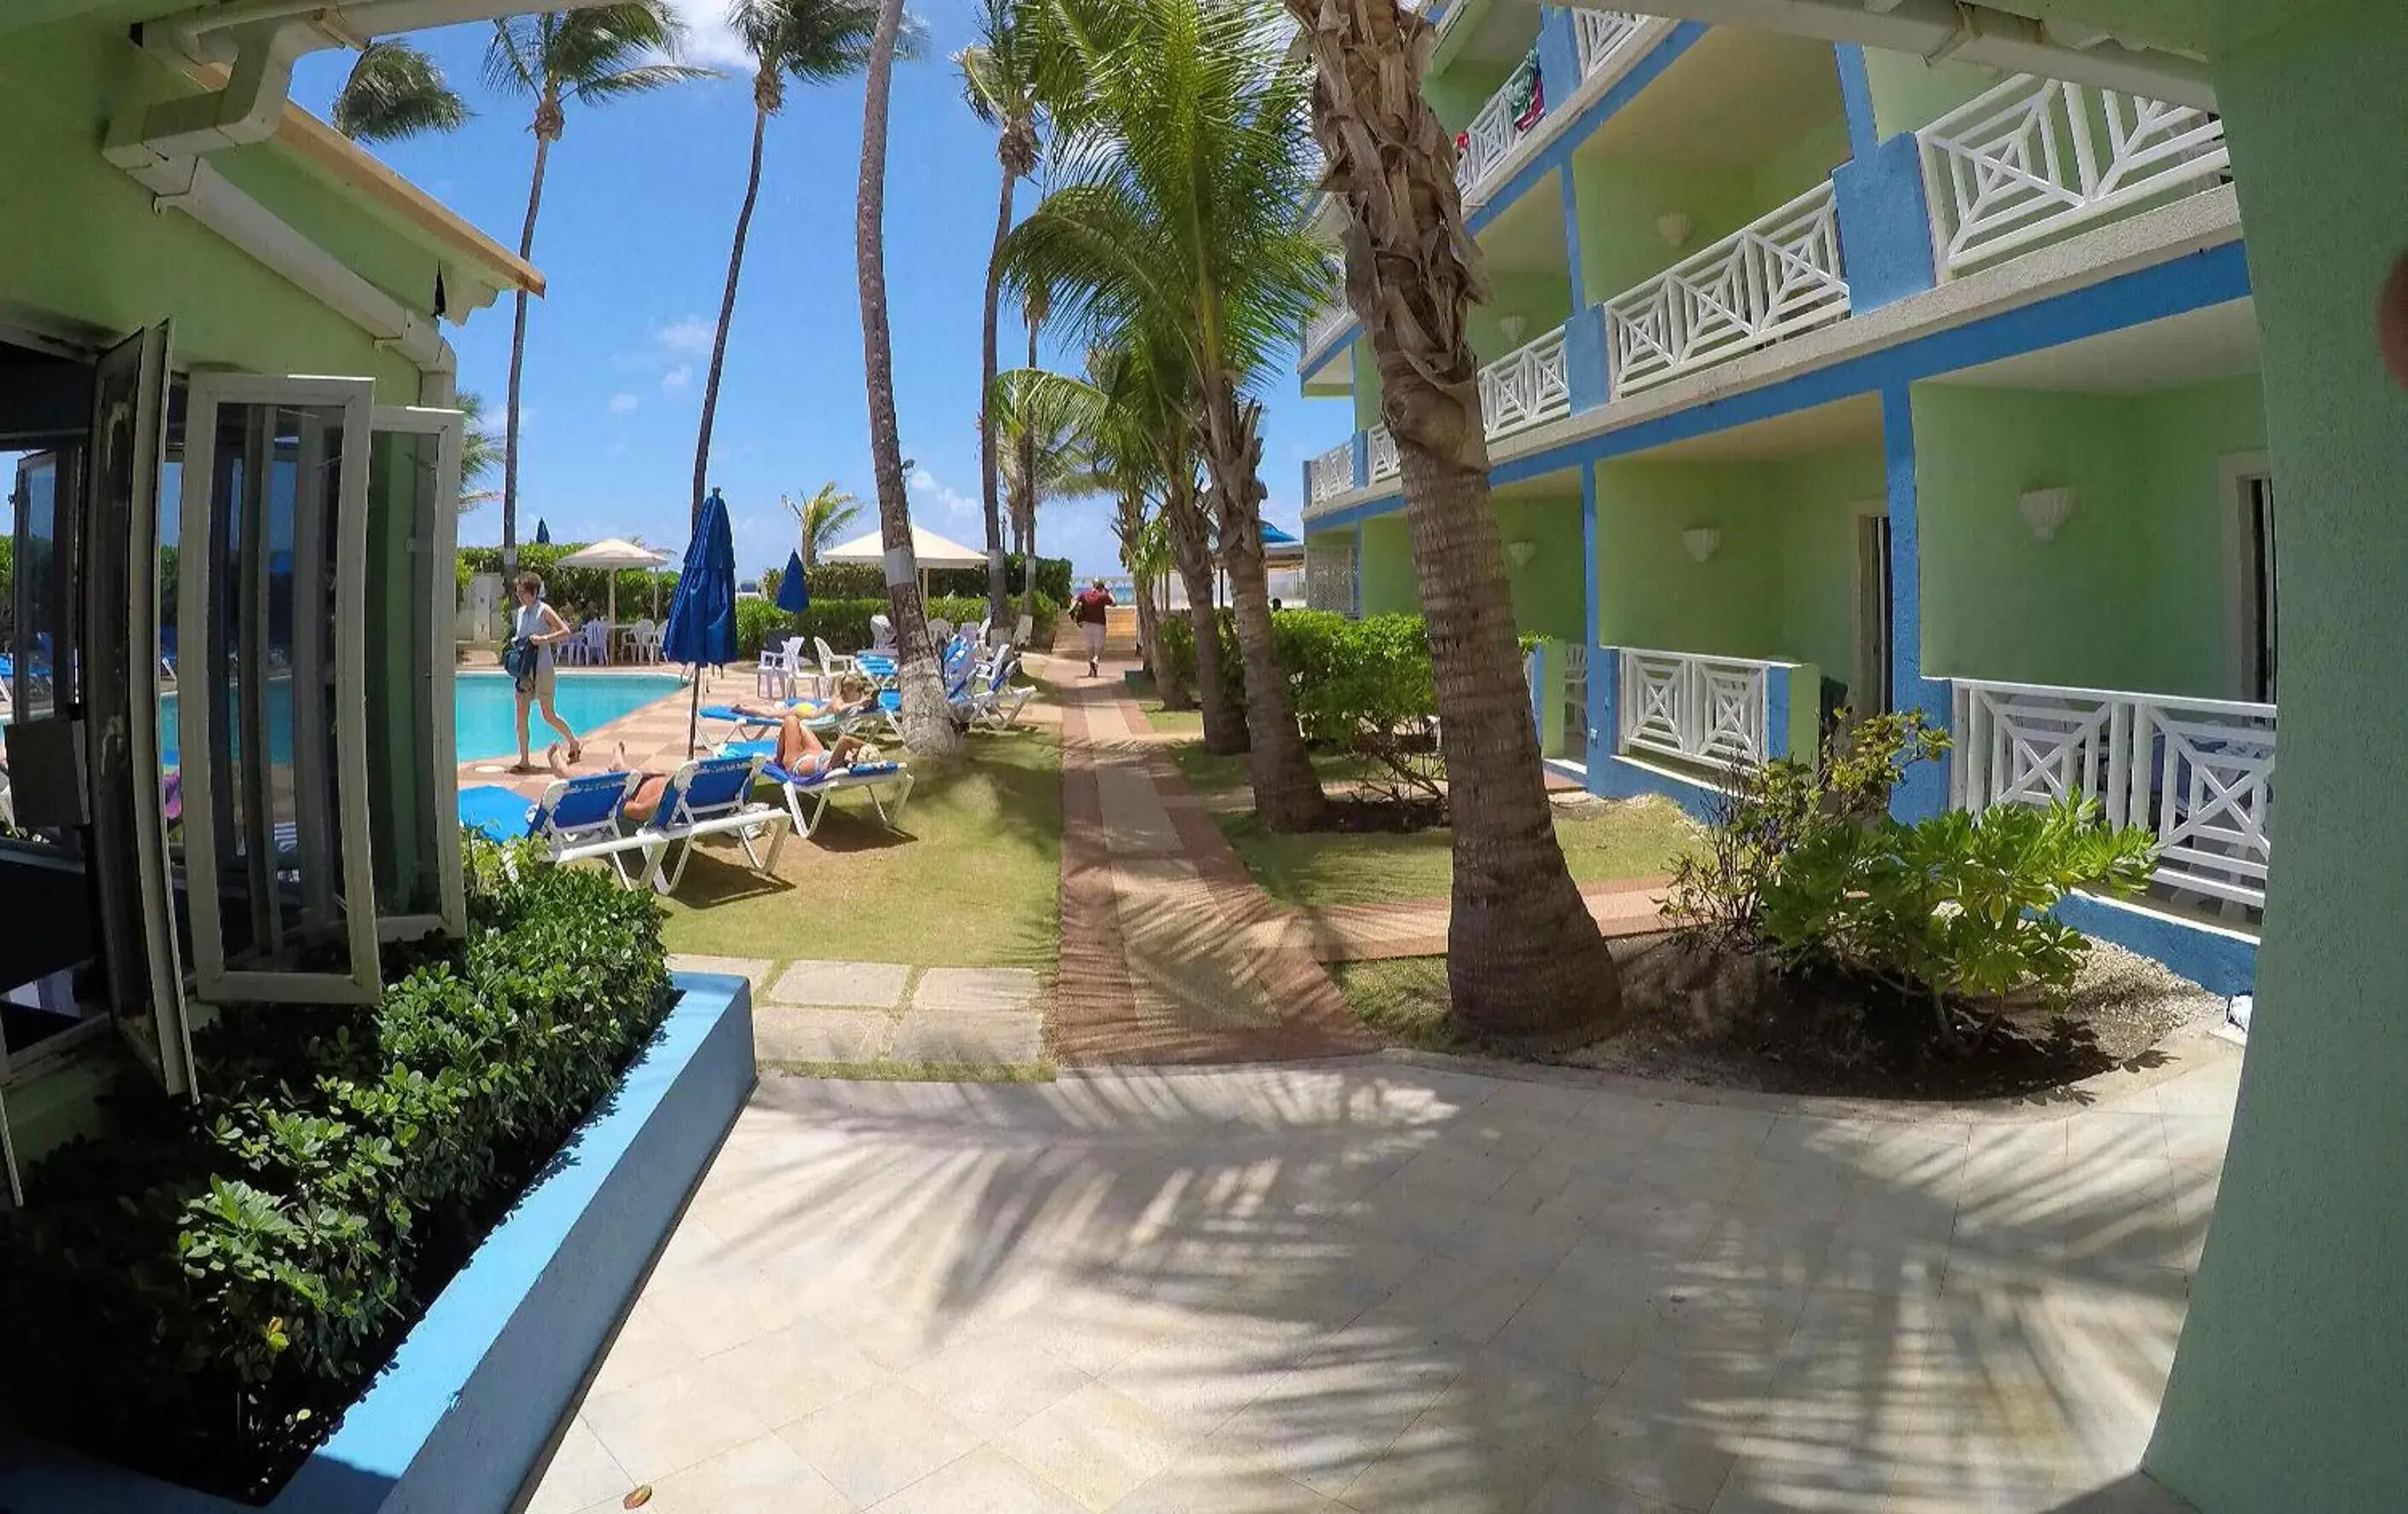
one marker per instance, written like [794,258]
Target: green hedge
[575,592]
[200,1290]
[844,624]
[1346,673]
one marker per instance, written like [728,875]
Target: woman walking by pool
[535,630]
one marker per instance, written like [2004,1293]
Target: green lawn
[1403,998]
[1620,840]
[1211,773]
[973,880]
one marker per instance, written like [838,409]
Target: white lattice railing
[1331,576]
[1327,323]
[1575,742]
[1716,710]
[1768,280]
[1331,474]
[1487,141]
[1602,34]
[1525,387]
[1385,464]
[2035,156]
[2197,773]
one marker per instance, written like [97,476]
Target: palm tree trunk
[928,722]
[1287,792]
[727,315]
[1224,720]
[1028,472]
[518,366]
[998,594]
[1525,960]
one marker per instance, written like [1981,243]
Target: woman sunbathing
[854,696]
[799,752]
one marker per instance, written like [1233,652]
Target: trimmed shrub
[844,624]
[201,1289]
[574,592]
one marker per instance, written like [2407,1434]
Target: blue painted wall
[1925,790]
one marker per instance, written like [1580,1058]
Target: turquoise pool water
[485,714]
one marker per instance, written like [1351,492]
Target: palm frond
[395,92]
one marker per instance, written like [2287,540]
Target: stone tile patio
[861,1013]
[1374,1285]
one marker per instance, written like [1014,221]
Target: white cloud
[709,37]
[927,488]
[678,377]
[622,404]
[690,337]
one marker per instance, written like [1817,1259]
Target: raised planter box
[455,1422]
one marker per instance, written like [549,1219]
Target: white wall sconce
[2045,510]
[1701,541]
[1520,551]
[1673,227]
[1513,326]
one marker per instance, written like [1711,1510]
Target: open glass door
[414,793]
[131,786]
[272,627]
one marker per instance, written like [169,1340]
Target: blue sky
[639,202]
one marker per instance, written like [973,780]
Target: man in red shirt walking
[1088,609]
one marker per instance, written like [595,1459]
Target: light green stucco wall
[1621,199]
[1909,93]
[2131,594]
[2291,1388]
[83,242]
[1388,587]
[1457,93]
[1367,387]
[1781,585]
[1543,304]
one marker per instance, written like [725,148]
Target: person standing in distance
[1089,609]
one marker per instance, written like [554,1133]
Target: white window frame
[355,397]
[440,544]
[2233,473]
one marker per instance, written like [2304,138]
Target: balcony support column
[1884,224]
[1559,67]
[1925,788]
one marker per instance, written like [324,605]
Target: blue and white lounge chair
[711,797]
[576,819]
[994,700]
[807,794]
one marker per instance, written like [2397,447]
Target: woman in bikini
[799,752]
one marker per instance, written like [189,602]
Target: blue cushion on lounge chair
[808,779]
[495,812]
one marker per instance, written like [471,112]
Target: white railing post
[2022,161]
[1385,463]
[1777,275]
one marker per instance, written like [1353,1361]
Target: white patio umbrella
[933,551]
[613,552]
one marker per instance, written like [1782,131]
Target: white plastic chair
[881,632]
[645,638]
[798,667]
[940,630]
[597,643]
[774,676]
[833,664]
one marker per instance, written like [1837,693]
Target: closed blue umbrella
[702,611]
[794,590]
[542,531]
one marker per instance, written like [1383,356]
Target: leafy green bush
[1954,907]
[1761,814]
[844,624]
[577,592]
[199,1290]
[1365,686]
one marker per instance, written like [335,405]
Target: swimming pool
[483,713]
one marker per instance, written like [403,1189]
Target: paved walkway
[1375,1286]
[828,1014]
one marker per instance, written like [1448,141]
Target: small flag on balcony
[1525,94]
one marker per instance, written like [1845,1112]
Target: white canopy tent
[615,553]
[930,550]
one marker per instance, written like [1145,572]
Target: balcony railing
[1385,464]
[1601,35]
[1328,320]
[1574,744]
[1768,280]
[1331,474]
[1488,141]
[1714,710]
[2036,156]
[2198,773]
[1526,388]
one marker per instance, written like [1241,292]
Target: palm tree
[480,450]
[1181,169]
[927,722]
[1523,957]
[823,520]
[999,82]
[1045,424]
[816,42]
[591,56]
[393,92]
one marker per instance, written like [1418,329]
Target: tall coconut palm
[1523,957]
[813,42]
[926,719]
[591,56]
[393,92]
[823,520]
[1045,423]
[998,80]
[480,450]
[1181,169]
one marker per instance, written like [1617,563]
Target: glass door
[131,786]
[271,716]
